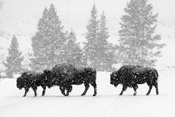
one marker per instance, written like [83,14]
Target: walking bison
[132,75]
[32,80]
[54,79]
[83,75]
[69,75]
[62,75]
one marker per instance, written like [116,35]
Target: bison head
[47,76]
[20,83]
[114,79]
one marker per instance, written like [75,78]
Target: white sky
[20,17]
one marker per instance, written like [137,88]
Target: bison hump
[65,70]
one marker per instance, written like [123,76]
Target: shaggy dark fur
[63,75]
[32,80]
[69,75]
[131,76]
[54,79]
[86,76]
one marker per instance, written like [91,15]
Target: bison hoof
[66,94]
[82,94]
[94,94]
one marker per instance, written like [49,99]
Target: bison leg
[156,86]
[62,89]
[26,90]
[44,90]
[123,89]
[67,94]
[35,89]
[86,89]
[135,87]
[95,88]
[150,87]
[69,89]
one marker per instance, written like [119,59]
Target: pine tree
[91,46]
[73,52]
[138,43]
[97,49]
[105,50]
[48,41]
[14,59]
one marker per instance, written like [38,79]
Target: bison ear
[47,71]
[24,74]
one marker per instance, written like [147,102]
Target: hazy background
[20,18]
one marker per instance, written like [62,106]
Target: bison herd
[65,75]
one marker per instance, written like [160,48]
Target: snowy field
[106,104]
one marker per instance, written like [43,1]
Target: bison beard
[131,76]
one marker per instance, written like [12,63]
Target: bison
[32,80]
[83,75]
[132,75]
[67,75]
[54,79]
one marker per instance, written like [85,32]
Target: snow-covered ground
[106,104]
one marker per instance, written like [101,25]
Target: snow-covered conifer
[73,52]
[138,41]
[97,48]
[14,59]
[48,42]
